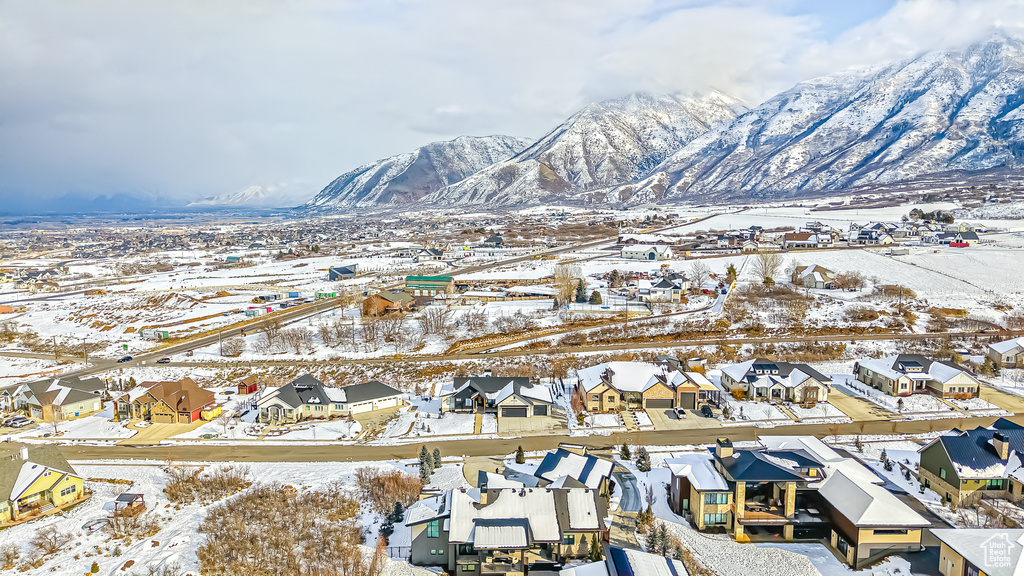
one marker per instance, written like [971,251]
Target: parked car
[164,360]
[125,359]
[706,411]
[680,412]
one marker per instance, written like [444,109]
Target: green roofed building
[424,288]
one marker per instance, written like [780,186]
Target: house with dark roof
[765,379]
[906,374]
[503,396]
[35,479]
[964,465]
[336,273]
[794,488]
[308,398]
[55,398]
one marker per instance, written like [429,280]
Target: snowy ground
[745,411]
[913,407]
[822,411]
[178,540]
[413,423]
[92,427]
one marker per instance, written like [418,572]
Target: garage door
[659,403]
[162,419]
[513,412]
[540,410]
[688,400]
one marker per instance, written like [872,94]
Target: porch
[40,506]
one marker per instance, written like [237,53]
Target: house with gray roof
[503,396]
[35,479]
[55,398]
[964,465]
[765,379]
[308,398]
[906,374]
[988,551]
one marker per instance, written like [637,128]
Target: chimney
[723,448]
[1001,446]
[24,452]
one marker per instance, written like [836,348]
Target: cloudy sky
[182,99]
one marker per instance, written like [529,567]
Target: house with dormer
[906,374]
[765,379]
[35,480]
[307,398]
[503,396]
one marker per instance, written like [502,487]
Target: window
[596,397]
[942,473]
[69,490]
[716,498]
[611,398]
[569,539]
[434,529]
[710,519]
[47,473]
[993,484]
[337,406]
[433,552]
[467,567]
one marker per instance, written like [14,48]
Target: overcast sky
[184,99]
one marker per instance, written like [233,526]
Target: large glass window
[434,529]
[710,519]
[716,498]
[569,539]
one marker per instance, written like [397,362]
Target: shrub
[382,488]
[190,484]
[50,540]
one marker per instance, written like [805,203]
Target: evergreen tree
[387,528]
[643,460]
[520,456]
[424,472]
[858,444]
[614,279]
[596,554]
[398,514]
[584,547]
[581,292]
[595,298]
[626,454]
[437,458]
[884,457]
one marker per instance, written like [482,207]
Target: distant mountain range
[251,196]
[956,112]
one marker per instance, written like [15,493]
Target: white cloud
[190,98]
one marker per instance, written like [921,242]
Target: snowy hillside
[605,144]
[251,196]
[940,112]
[406,178]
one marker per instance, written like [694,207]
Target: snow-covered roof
[738,371]
[495,481]
[699,470]
[582,509]
[588,470]
[814,446]
[1005,346]
[980,546]
[624,376]
[867,504]
[533,507]
[539,290]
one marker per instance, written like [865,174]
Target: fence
[400,552]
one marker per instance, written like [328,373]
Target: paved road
[630,501]
[498,446]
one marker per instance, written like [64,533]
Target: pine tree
[520,456]
[437,458]
[858,444]
[584,547]
[884,457]
[614,279]
[596,554]
[643,460]
[424,472]
[425,457]
[398,514]
[595,298]
[581,292]
[663,543]
[626,454]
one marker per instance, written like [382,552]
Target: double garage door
[513,412]
[658,403]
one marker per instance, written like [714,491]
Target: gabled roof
[372,390]
[1012,346]
[937,370]
[589,470]
[978,545]
[489,386]
[973,454]
[761,465]
[16,475]
[793,374]
[181,395]
[866,504]
[699,469]
[625,376]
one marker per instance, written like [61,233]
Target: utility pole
[220,343]
[54,348]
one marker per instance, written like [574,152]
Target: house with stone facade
[906,374]
[615,386]
[764,379]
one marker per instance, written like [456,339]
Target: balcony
[762,514]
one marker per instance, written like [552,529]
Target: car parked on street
[164,360]
[125,359]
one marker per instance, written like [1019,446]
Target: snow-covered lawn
[821,410]
[913,407]
[604,421]
[413,424]
[92,427]
[979,407]
[745,410]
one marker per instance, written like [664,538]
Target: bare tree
[766,266]
[271,331]
[51,540]
[435,320]
[391,326]
[233,347]
[476,320]
[223,419]
[298,339]
[699,272]
[566,278]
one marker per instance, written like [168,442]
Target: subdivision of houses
[794,488]
[503,396]
[764,379]
[615,386]
[967,464]
[387,302]
[646,252]
[308,398]
[55,398]
[980,551]
[814,276]
[35,479]
[169,402]
[905,374]
[507,530]
[1008,353]
[565,468]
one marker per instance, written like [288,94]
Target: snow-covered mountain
[605,144]
[251,196]
[940,112]
[407,178]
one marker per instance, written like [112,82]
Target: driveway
[156,433]
[630,501]
[667,420]
[528,425]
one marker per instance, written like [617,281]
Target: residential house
[668,289]
[508,530]
[980,551]
[615,386]
[628,562]
[505,397]
[564,467]
[764,379]
[337,273]
[428,255]
[965,464]
[905,374]
[1008,353]
[951,239]
[494,241]
[804,240]
[55,398]
[35,479]
[170,402]
[646,252]
[814,276]
[387,302]
[794,488]
[308,398]
[645,239]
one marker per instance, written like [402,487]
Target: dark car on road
[164,360]
[125,359]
